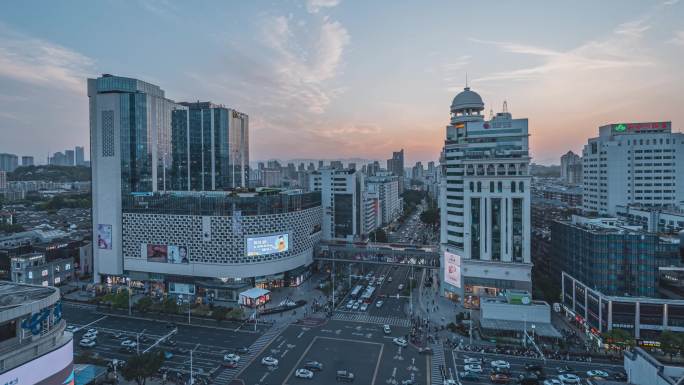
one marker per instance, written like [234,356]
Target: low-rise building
[515,312]
[35,269]
[656,220]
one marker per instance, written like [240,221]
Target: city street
[208,343]
[362,349]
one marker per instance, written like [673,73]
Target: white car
[597,373]
[401,286]
[92,331]
[72,328]
[379,304]
[475,368]
[129,343]
[350,304]
[363,307]
[269,361]
[231,357]
[89,336]
[355,306]
[386,329]
[552,381]
[304,373]
[470,360]
[569,379]
[500,364]
[400,342]
[87,343]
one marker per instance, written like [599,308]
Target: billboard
[165,253]
[270,244]
[452,269]
[53,368]
[104,237]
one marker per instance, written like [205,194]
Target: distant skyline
[347,79]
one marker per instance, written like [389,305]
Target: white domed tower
[466,107]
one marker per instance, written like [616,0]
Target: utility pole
[137,342]
[129,297]
[189,308]
[333,281]
[470,332]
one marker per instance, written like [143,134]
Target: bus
[356,291]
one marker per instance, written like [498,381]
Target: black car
[619,376]
[313,366]
[425,351]
[533,367]
[564,370]
[242,350]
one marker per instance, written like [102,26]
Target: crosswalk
[228,374]
[358,317]
[437,369]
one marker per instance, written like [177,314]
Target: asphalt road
[209,344]
[518,365]
[362,349]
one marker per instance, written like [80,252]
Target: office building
[386,186]
[654,220]
[70,157]
[210,148]
[35,347]
[80,156]
[35,269]
[3,180]
[485,203]
[195,243]
[271,177]
[598,312]
[8,162]
[611,257]
[417,172]
[372,168]
[633,163]
[27,161]
[395,165]
[568,169]
[58,159]
[342,192]
[372,211]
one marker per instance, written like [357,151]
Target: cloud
[161,8]
[671,2]
[313,6]
[678,39]
[31,60]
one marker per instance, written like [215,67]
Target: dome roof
[467,99]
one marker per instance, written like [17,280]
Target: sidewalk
[307,291]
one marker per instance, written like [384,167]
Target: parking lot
[362,349]
[550,368]
[208,344]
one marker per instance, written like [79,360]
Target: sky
[341,78]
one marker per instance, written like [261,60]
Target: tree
[144,304]
[619,337]
[671,343]
[430,217]
[219,313]
[378,235]
[141,367]
[169,305]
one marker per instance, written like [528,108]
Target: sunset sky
[337,79]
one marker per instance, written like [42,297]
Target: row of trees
[671,343]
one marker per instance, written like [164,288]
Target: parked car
[87,343]
[350,304]
[363,307]
[303,373]
[72,328]
[344,376]
[314,366]
[269,361]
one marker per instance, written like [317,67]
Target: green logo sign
[620,127]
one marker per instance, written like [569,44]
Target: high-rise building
[571,167]
[485,203]
[58,159]
[372,168]
[633,163]
[418,171]
[386,186]
[8,162]
[210,145]
[189,244]
[70,157]
[80,156]
[395,165]
[342,197]
[336,164]
[3,180]
[27,161]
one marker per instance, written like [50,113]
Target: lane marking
[97,320]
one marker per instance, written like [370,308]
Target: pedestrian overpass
[379,254]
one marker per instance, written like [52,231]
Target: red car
[499,378]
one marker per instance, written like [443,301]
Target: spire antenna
[505,106]
[466,80]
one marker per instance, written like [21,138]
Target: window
[491,186]
[479,186]
[521,186]
[30,275]
[512,186]
[499,187]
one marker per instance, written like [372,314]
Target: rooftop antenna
[505,106]
[491,113]
[466,80]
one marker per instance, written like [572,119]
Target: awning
[254,293]
[540,329]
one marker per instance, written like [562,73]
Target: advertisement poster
[267,245]
[452,269]
[166,253]
[104,237]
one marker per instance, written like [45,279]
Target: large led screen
[104,237]
[270,244]
[452,269]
